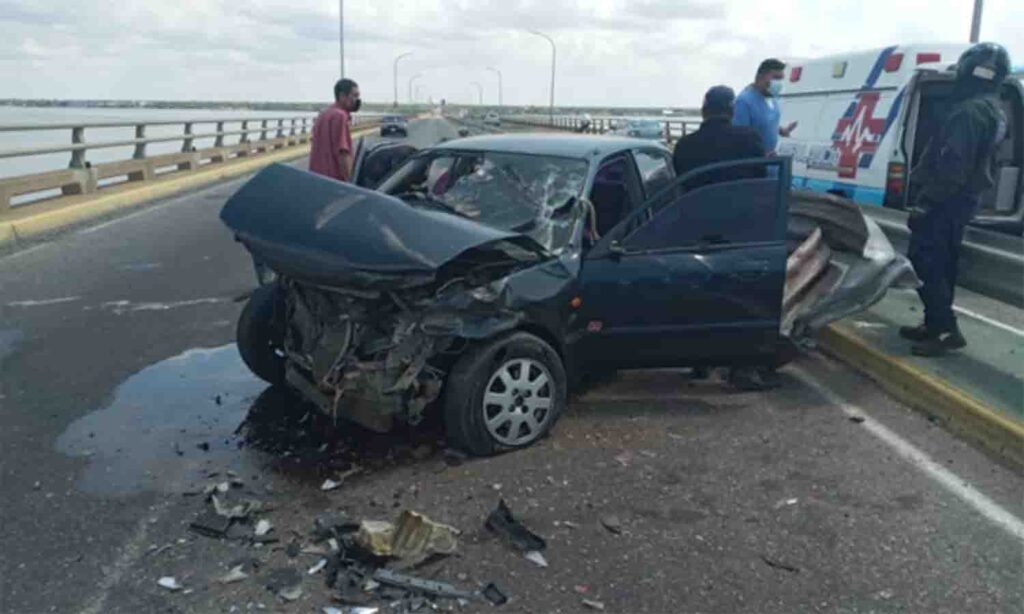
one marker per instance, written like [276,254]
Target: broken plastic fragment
[329,484]
[263,527]
[593,605]
[235,575]
[501,522]
[536,558]
[612,523]
[291,593]
[170,583]
[315,569]
[494,594]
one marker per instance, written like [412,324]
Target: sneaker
[940,344]
[916,333]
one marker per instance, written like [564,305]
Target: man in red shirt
[331,154]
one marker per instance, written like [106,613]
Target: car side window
[655,168]
[614,193]
[737,212]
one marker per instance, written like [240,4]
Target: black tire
[260,334]
[463,404]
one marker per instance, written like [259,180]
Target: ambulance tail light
[895,185]
[928,58]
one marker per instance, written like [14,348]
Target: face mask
[775,88]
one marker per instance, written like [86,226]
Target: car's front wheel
[505,394]
[260,334]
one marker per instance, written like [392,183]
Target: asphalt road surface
[121,395]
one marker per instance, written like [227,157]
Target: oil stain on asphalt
[177,423]
[167,426]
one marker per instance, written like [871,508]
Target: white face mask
[775,88]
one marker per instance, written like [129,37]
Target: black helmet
[987,63]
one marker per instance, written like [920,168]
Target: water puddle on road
[177,424]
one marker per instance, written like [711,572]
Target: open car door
[694,276]
[374,162]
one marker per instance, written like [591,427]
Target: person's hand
[788,129]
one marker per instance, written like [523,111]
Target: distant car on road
[642,129]
[484,275]
[394,125]
[492,119]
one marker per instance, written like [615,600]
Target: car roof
[549,144]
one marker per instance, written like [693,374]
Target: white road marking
[988,320]
[946,478]
[121,307]
[40,303]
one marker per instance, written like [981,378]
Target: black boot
[916,333]
[939,344]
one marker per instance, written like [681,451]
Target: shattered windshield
[535,195]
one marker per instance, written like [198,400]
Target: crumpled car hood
[333,233]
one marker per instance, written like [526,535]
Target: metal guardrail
[82,177]
[672,128]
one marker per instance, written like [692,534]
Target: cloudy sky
[610,52]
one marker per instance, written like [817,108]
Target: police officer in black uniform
[957,166]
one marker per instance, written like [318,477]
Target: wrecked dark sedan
[481,277]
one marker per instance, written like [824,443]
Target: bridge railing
[671,128]
[224,139]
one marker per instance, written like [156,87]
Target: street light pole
[498,72]
[551,108]
[397,59]
[976,21]
[341,35]
[411,79]
[480,88]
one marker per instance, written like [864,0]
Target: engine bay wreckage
[377,299]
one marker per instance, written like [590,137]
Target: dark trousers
[935,237]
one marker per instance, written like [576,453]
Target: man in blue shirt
[757,106]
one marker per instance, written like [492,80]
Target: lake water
[65,115]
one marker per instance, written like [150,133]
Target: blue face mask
[775,88]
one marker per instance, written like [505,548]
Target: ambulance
[864,119]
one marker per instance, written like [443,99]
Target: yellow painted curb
[76,211]
[960,412]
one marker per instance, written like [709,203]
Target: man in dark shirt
[718,140]
[956,168]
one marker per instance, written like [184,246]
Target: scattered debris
[886,594]
[419,585]
[211,524]
[315,569]
[593,605]
[330,484]
[293,549]
[234,575]
[624,458]
[263,527]
[413,538]
[536,558]
[501,522]
[779,565]
[204,446]
[784,502]
[155,550]
[612,523]
[351,610]
[856,419]
[494,594]
[170,583]
[242,510]
[285,582]
[581,589]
